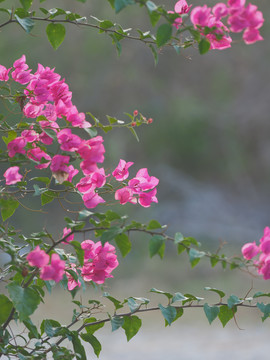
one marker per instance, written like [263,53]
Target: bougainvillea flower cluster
[48,99]
[210,21]
[250,250]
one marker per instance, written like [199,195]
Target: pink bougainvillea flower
[121,172]
[67,231]
[96,179]
[37,155]
[72,283]
[200,15]
[92,150]
[16,146]
[4,73]
[250,250]
[12,175]
[91,199]
[182,7]
[30,135]
[68,141]
[252,35]
[143,181]
[55,270]
[88,167]
[60,91]
[146,198]
[32,111]
[72,172]
[38,258]
[124,195]
[220,10]
[59,163]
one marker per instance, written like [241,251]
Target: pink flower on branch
[12,175]
[38,258]
[55,270]
[121,172]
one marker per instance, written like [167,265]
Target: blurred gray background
[208,145]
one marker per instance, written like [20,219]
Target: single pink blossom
[220,10]
[95,180]
[59,163]
[182,7]
[12,175]
[68,141]
[55,270]
[252,35]
[38,155]
[16,146]
[4,73]
[124,195]
[38,258]
[32,111]
[72,172]
[200,16]
[121,172]
[92,150]
[72,283]
[92,199]
[67,231]
[250,250]
[30,135]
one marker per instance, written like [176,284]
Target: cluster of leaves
[57,18]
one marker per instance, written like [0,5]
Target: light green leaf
[179,313]
[26,4]
[265,309]
[195,256]
[225,314]
[56,34]
[211,312]
[219,292]
[121,4]
[168,295]
[8,207]
[178,297]
[5,308]
[91,329]
[131,326]
[117,303]
[168,312]
[204,46]
[153,224]
[178,237]
[151,6]
[234,300]
[164,33]
[133,305]
[117,322]
[157,246]
[26,23]
[110,234]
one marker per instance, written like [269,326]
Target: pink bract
[38,258]
[250,250]
[12,175]
[121,172]
[55,270]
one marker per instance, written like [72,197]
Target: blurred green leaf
[211,312]
[164,33]
[265,309]
[168,312]
[8,207]
[56,34]
[5,308]
[131,326]
[93,341]
[26,23]
[204,46]
[219,292]
[153,224]
[123,243]
[157,246]
[121,4]
[234,300]
[195,256]
[225,314]
[26,4]
[117,322]
[168,295]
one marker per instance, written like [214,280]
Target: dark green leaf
[154,52]
[5,308]
[93,341]
[46,180]
[48,326]
[117,303]
[32,328]
[123,243]
[204,46]
[26,23]
[225,314]
[79,251]
[56,34]
[157,246]
[84,214]
[154,17]
[110,234]
[25,300]
[259,294]
[134,133]
[168,312]
[179,313]
[78,348]
[131,326]
[211,312]
[48,197]
[133,305]
[164,33]
[214,260]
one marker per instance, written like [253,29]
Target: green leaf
[154,17]
[211,312]
[56,34]
[48,326]
[134,133]
[195,256]
[110,234]
[121,4]
[259,294]
[154,52]
[265,309]
[93,341]
[26,4]
[117,303]
[51,133]
[214,260]
[219,292]
[168,295]
[11,136]
[234,300]
[84,214]
[225,314]
[179,313]
[123,243]
[92,328]
[131,326]
[48,197]
[117,322]
[79,251]
[133,305]
[5,308]
[151,6]
[204,46]
[168,312]
[32,328]
[178,297]
[178,237]
[45,180]
[153,224]
[78,348]
[157,246]
[26,23]
[8,207]
[24,300]
[164,33]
